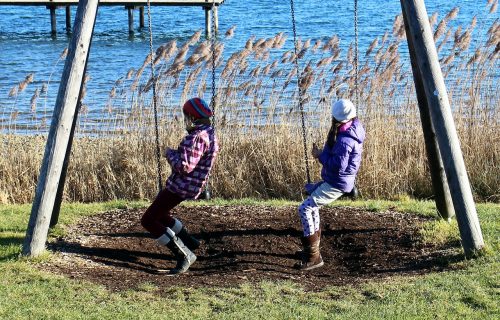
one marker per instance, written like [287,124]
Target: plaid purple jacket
[192,161]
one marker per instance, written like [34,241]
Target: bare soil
[249,244]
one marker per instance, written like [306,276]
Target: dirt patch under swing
[248,244]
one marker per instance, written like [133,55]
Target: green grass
[470,292]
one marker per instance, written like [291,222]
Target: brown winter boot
[311,257]
[299,253]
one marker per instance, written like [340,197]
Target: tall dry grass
[258,121]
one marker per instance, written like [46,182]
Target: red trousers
[157,217]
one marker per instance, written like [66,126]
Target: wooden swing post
[420,37]
[60,129]
[444,203]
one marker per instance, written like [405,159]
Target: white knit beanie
[343,110]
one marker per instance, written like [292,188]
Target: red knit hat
[197,108]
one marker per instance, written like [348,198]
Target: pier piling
[141,17]
[208,25]
[130,19]
[53,21]
[68,19]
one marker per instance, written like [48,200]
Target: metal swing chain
[212,45]
[356,54]
[212,102]
[301,106]
[155,109]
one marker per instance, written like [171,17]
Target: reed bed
[258,119]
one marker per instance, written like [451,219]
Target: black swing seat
[353,194]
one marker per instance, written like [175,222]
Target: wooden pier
[129,5]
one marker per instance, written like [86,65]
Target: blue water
[27,47]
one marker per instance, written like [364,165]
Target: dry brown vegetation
[258,120]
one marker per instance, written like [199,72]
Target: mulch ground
[248,244]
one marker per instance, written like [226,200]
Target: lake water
[27,47]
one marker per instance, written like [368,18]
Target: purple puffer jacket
[341,162]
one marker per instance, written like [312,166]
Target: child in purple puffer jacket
[191,163]
[341,159]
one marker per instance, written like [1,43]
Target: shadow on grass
[10,247]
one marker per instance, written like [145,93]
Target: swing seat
[353,194]
[310,187]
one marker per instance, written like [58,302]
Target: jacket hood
[355,131]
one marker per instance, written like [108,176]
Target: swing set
[449,177]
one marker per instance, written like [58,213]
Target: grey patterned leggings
[309,209]
[309,216]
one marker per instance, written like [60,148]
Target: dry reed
[258,121]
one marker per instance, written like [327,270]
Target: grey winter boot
[191,242]
[185,258]
[311,256]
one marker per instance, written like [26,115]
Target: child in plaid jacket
[191,163]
